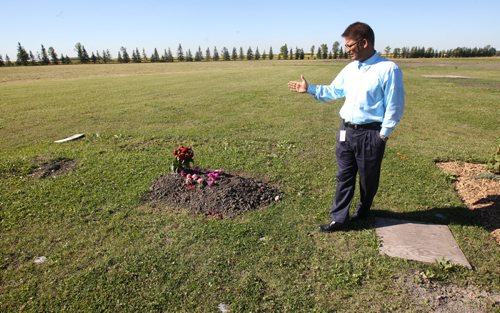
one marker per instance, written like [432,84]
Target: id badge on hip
[342,136]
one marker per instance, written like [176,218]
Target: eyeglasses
[352,44]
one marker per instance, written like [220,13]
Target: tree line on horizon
[322,52]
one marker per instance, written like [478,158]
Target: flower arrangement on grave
[192,176]
[183,159]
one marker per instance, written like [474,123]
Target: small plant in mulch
[213,193]
[494,162]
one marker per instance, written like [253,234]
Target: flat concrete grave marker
[418,241]
[74,137]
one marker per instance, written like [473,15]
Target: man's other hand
[298,86]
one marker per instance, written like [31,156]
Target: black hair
[358,31]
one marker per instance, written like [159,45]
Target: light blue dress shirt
[373,91]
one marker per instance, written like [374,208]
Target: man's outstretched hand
[298,86]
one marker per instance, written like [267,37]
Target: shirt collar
[371,60]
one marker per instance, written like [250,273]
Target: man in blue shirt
[374,103]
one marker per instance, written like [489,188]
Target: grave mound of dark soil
[56,167]
[231,195]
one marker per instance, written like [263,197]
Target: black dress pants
[362,151]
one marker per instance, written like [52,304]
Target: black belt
[374,125]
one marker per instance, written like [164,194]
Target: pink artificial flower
[213,175]
[210,182]
[194,177]
[188,176]
[182,173]
[200,181]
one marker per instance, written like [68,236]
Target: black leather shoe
[333,226]
[358,217]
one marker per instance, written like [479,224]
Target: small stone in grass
[40,259]
[222,308]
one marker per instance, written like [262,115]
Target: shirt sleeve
[394,99]
[326,93]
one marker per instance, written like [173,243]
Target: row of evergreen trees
[167,56]
[49,56]
[25,58]
[84,57]
[460,52]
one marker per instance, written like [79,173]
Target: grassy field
[108,251]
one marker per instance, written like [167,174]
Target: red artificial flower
[183,153]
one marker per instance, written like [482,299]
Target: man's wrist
[311,89]
[385,131]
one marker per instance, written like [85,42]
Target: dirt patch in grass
[54,168]
[230,196]
[447,76]
[475,83]
[466,81]
[440,297]
[479,190]
[455,64]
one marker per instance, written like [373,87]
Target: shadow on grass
[487,217]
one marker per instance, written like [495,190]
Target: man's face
[355,48]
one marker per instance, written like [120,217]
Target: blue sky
[148,24]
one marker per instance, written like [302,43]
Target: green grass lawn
[108,251]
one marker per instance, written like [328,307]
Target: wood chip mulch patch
[479,190]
